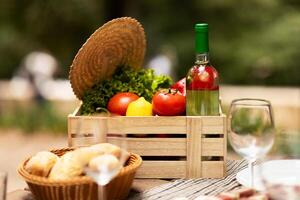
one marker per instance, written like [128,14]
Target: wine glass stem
[251,174]
[101,192]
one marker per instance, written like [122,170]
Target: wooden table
[165,190]
[139,185]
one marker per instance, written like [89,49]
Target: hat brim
[120,42]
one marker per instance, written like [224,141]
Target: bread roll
[68,166]
[42,163]
[85,154]
[100,156]
[105,163]
[108,148]
[72,163]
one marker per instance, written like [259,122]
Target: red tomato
[168,103]
[119,102]
[180,86]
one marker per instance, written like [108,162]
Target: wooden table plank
[141,185]
[19,195]
[138,186]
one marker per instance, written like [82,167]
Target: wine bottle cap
[201,41]
[203,27]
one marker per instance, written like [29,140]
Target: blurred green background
[252,42]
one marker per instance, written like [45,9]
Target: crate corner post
[194,147]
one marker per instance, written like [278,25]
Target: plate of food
[280,172]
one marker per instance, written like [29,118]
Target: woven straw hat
[120,42]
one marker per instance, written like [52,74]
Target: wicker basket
[81,188]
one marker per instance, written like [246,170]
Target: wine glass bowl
[251,129]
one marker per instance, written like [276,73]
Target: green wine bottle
[202,80]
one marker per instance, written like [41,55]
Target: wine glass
[104,175]
[88,131]
[280,171]
[251,129]
[94,131]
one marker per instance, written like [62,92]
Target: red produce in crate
[168,103]
[119,102]
[180,86]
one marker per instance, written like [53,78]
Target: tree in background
[252,42]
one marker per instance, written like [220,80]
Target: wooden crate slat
[225,144]
[194,147]
[212,147]
[213,124]
[153,146]
[82,141]
[212,120]
[211,130]
[162,169]
[79,125]
[159,146]
[213,169]
[149,125]
[84,128]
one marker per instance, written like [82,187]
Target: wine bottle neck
[202,58]
[201,43]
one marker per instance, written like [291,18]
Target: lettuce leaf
[142,82]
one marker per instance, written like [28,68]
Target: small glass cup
[3,185]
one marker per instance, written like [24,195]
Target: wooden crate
[192,147]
